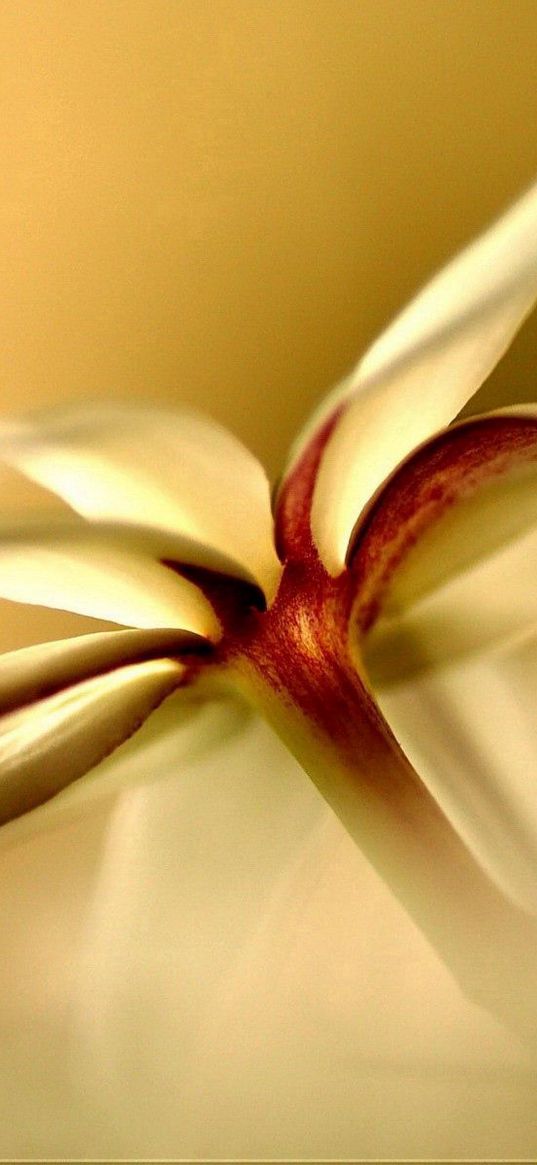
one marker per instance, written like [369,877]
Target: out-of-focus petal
[458,499]
[238,936]
[445,564]
[482,607]
[47,746]
[74,568]
[35,673]
[228,950]
[420,372]
[177,472]
[469,729]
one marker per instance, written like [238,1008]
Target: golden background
[222,203]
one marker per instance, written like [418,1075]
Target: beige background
[222,202]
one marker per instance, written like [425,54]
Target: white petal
[469,728]
[472,530]
[421,371]
[483,606]
[237,953]
[46,747]
[461,497]
[438,662]
[35,673]
[73,568]
[230,951]
[175,472]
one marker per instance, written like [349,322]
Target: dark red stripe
[449,468]
[294,541]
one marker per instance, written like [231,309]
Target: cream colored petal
[177,473]
[35,673]
[450,551]
[421,371]
[482,607]
[218,946]
[469,728]
[443,668]
[71,567]
[463,496]
[239,954]
[473,529]
[47,746]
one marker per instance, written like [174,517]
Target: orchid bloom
[397,556]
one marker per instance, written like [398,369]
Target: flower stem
[296,667]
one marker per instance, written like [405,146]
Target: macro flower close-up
[268,824]
[386,527]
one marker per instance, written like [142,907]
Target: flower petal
[175,472]
[47,746]
[460,497]
[445,563]
[420,372]
[480,608]
[238,936]
[216,944]
[469,728]
[36,673]
[72,567]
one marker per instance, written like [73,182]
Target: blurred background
[222,203]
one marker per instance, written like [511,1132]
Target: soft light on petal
[289,980]
[462,496]
[177,472]
[445,564]
[469,727]
[46,747]
[34,673]
[74,569]
[482,607]
[421,371]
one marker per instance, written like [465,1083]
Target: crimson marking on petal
[294,541]
[449,468]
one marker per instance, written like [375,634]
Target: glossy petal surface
[469,727]
[178,473]
[463,496]
[445,564]
[421,371]
[75,569]
[47,746]
[35,673]
[482,607]
[449,615]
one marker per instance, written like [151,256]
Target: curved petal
[175,472]
[469,728]
[215,945]
[458,499]
[239,938]
[47,746]
[445,565]
[35,673]
[72,567]
[480,608]
[420,372]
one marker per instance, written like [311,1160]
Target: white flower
[398,542]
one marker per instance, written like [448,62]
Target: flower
[400,545]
